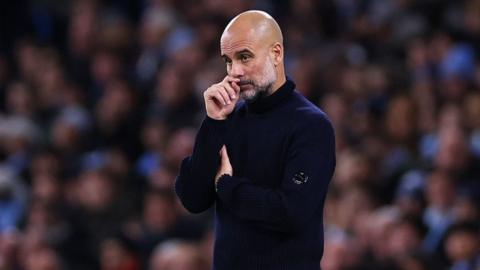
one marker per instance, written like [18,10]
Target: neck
[268,102]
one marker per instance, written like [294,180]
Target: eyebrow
[247,51]
[244,51]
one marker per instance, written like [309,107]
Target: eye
[244,58]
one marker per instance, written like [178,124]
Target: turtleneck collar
[267,103]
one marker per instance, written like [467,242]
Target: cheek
[255,69]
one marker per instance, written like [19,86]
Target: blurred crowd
[100,101]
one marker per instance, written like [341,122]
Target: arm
[290,206]
[195,182]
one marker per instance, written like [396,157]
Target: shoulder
[305,113]
[310,128]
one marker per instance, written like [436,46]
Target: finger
[222,150]
[229,79]
[223,91]
[230,90]
[210,93]
[219,98]
[232,81]
[225,154]
[224,157]
[236,87]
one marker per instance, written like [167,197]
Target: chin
[249,95]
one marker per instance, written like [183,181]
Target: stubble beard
[263,87]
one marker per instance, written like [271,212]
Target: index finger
[236,87]
[230,79]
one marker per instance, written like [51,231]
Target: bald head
[252,48]
[256,24]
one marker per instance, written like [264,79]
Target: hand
[220,98]
[225,166]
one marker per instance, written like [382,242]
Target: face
[249,60]
[461,246]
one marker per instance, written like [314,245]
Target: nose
[236,70]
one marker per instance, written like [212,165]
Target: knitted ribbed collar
[267,103]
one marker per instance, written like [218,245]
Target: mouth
[246,87]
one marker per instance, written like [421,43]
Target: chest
[258,149]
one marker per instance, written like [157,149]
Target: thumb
[224,155]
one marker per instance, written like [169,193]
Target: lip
[246,86]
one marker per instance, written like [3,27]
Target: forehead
[232,42]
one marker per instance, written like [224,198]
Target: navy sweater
[269,214]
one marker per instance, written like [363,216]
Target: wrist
[219,178]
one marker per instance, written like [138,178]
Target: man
[265,161]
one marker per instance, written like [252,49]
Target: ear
[276,53]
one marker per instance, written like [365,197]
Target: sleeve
[309,168]
[195,183]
